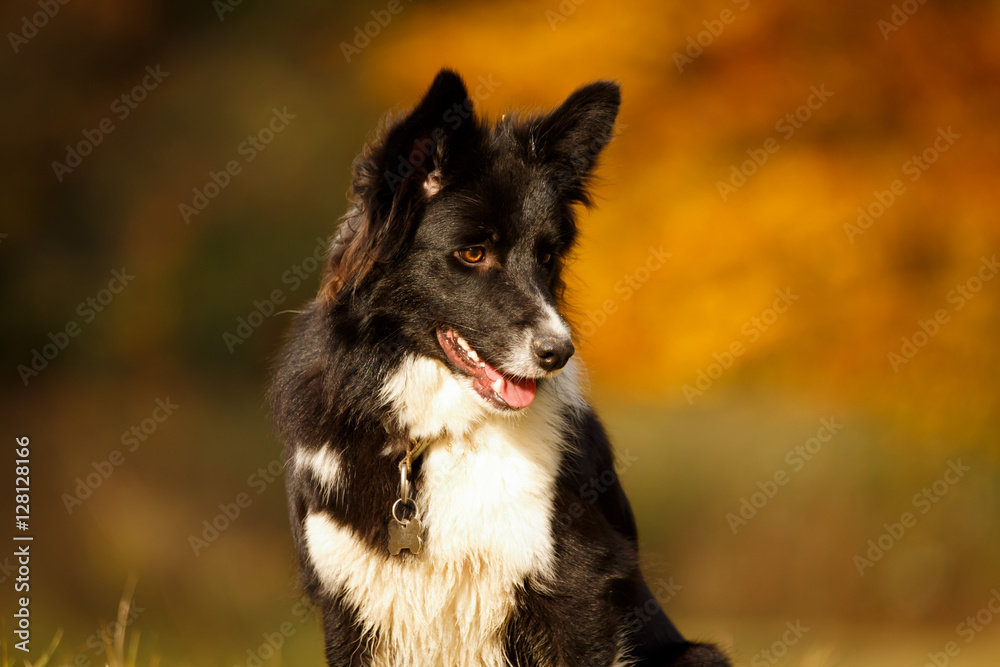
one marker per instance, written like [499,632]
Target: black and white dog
[437,440]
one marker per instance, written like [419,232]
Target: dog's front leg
[346,644]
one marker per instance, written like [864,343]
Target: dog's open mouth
[499,388]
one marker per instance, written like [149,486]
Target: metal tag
[405,535]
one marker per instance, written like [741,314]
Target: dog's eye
[472,255]
[545,257]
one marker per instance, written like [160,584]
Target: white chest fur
[485,494]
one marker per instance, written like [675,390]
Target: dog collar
[406,532]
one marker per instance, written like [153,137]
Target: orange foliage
[793,223]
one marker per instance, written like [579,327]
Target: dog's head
[460,228]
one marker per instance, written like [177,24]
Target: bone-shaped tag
[405,535]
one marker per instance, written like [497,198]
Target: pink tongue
[516,392]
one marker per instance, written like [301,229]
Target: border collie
[438,445]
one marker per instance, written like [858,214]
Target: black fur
[436,180]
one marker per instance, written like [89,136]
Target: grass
[114,647]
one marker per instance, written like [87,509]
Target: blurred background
[786,298]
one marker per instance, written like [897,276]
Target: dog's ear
[395,176]
[572,136]
[416,151]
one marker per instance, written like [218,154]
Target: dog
[438,443]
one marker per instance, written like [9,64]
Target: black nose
[553,353]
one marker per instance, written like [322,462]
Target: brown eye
[472,255]
[545,258]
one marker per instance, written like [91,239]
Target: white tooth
[473,355]
[462,344]
[498,385]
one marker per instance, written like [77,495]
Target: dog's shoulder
[590,474]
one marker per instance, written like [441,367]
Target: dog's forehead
[504,192]
[516,193]
[518,207]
